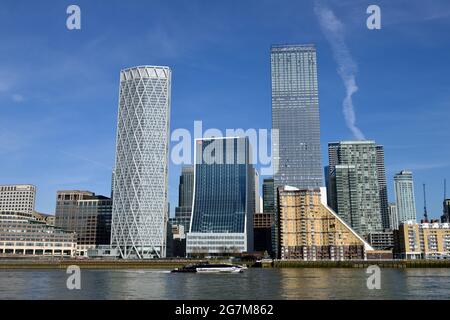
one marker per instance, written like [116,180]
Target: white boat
[212,268]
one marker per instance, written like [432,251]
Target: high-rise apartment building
[18,198]
[354,189]
[87,214]
[310,230]
[382,186]
[179,224]
[404,196]
[140,201]
[393,216]
[422,240]
[224,204]
[295,118]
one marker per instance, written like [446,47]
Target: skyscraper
[354,184]
[140,203]
[185,193]
[382,186]
[445,218]
[404,196]
[393,216]
[295,118]
[224,204]
[268,196]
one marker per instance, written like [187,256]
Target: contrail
[333,30]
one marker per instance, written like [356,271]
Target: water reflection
[253,284]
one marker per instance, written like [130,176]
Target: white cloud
[333,30]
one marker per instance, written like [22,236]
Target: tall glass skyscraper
[224,198]
[295,118]
[404,196]
[140,205]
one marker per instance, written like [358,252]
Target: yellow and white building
[310,230]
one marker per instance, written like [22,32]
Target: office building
[23,235]
[404,196]
[353,180]
[422,240]
[296,151]
[180,224]
[393,216]
[262,232]
[140,201]
[224,204]
[18,198]
[185,193]
[268,196]
[446,216]
[310,230]
[87,214]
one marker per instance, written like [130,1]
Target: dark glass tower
[295,118]
[185,193]
[268,196]
[224,204]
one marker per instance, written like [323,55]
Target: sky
[59,87]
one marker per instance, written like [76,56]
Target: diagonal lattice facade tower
[140,204]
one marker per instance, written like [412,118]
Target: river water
[252,284]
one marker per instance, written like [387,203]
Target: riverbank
[94,264]
[358,264]
[171,264]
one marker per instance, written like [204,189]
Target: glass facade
[295,119]
[295,114]
[140,201]
[185,193]
[268,196]
[224,201]
[87,214]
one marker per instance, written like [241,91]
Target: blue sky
[59,88]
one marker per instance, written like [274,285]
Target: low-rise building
[310,230]
[381,240]
[422,240]
[23,235]
[262,232]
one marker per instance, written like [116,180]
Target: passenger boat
[211,268]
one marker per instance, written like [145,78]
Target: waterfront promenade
[6,263]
